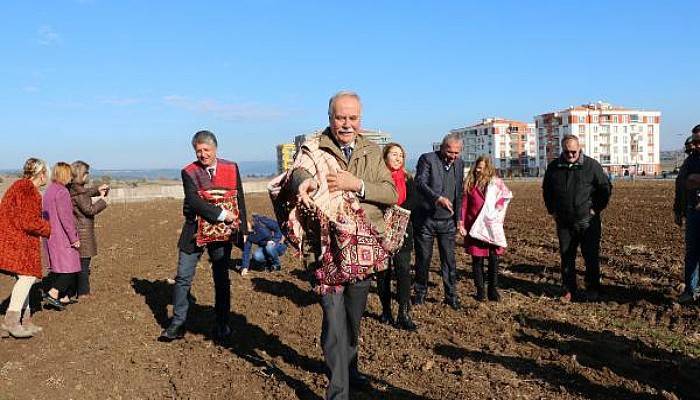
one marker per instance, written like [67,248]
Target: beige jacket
[366,163]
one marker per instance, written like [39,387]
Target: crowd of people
[64,217]
[338,208]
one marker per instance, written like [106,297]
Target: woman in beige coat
[85,210]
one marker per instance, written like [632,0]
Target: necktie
[347,150]
[210,170]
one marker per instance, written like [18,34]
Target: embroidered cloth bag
[218,232]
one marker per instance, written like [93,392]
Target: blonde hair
[79,170]
[61,173]
[33,167]
[483,179]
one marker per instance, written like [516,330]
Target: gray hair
[204,137]
[78,170]
[568,137]
[342,93]
[450,138]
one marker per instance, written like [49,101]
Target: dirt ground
[636,343]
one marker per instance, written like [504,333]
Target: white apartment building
[511,144]
[621,139]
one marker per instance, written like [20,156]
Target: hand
[306,189]
[103,189]
[270,242]
[75,245]
[462,231]
[592,212]
[229,217]
[678,219]
[444,202]
[343,180]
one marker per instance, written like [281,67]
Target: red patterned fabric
[219,232]
[221,191]
[21,225]
[354,249]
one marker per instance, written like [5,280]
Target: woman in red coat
[21,226]
[475,195]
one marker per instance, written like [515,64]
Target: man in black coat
[207,173]
[686,205]
[576,190]
[439,177]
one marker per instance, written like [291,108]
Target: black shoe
[592,295]
[173,332]
[386,318]
[50,302]
[480,296]
[493,295]
[453,303]
[403,319]
[419,299]
[222,332]
[358,380]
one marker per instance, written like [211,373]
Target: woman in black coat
[394,157]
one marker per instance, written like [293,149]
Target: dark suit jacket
[194,206]
[429,180]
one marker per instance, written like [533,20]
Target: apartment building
[285,156]
[512,145]
[621,139]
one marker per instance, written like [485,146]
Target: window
[606,128]
[624,129]
[615,139]
[595,128]
[614,129]
[615,118]
[595,118]
[581,129]
[582,119]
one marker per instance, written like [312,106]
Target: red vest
[224,178]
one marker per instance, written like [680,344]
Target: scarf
[399,177]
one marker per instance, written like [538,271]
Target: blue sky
[124,84]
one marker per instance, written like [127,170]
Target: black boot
[403,320]
[493,279]
[478,270]
[384,289]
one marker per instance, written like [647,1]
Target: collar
[565,164]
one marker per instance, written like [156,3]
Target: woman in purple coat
[63,243]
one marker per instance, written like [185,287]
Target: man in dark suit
[208,172]
[439,177]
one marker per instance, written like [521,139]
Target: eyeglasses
[573,153]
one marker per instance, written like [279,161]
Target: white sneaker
[244,272]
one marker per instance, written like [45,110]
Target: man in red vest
[199,178]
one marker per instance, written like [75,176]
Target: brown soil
[635,343]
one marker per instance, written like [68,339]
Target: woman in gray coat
[85,210]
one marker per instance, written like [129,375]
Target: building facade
[512,145]
[285,156]
[623,140]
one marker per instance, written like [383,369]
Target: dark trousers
[445,231]
[219,255]
[83,284]
[570,237]
[692,250]
[64,283]
[400,265]
[340,331]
